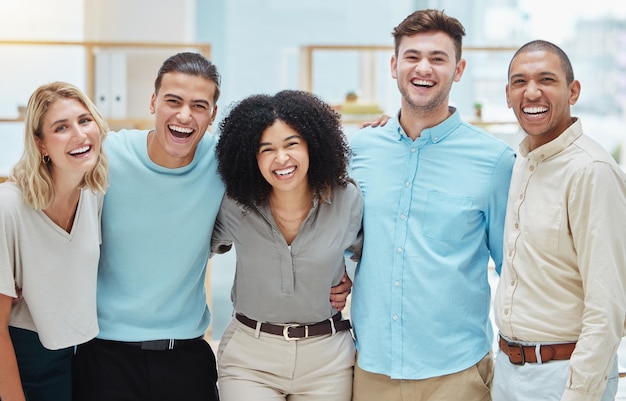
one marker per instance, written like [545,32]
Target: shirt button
[407,184]
[516,226]
[521,196]
[413,150]
[512,282]
[402,217]
[532,168]
[399,250]
[396,283]
[395,317]
[506,311]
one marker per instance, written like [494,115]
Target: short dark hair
[191,64]
[312,118]
[542,45]
[427,21]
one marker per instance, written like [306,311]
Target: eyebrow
[284,140]
[171,95]
[541,74]
[65,120]
[431,53]
[57,122]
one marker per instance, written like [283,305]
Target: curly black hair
[312,118]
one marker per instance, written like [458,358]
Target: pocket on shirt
[543,228]
[446,217]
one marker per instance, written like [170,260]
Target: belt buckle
[290,325]
[510,345]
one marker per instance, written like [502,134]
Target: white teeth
[181,129]
[422,82]
[80,150]
[535,110]
[286,171]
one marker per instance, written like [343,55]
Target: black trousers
[46,374]
[115,371]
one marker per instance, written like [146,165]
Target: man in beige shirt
[560,303]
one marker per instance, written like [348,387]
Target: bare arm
[340,292]
[10,383]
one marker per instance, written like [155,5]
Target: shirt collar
[555,146]
[434,134]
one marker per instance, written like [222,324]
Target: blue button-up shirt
[433,216]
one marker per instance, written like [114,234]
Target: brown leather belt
[296,331]
[520,354]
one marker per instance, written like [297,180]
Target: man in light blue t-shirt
[157,222]
[435,191]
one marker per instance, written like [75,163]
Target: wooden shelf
[370,78]
[93,46]
[307,53]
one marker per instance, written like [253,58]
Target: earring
[45,159]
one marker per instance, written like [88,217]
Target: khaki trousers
[268,367]
[472,384]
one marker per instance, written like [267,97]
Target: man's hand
[380,121]
[340,292]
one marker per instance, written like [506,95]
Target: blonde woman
[49,244]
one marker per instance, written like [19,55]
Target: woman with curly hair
[50,244]
[292,213]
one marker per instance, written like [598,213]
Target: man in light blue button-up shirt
[435,191]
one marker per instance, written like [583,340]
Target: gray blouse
[280,284]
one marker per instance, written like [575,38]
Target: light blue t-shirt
[434,214]
[156,236]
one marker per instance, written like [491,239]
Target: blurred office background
[112,49]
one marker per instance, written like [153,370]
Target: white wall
[156,21]
[256,43]
[140,20]
[24,68]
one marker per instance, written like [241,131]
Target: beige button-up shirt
[564,271]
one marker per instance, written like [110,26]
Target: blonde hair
[31,173]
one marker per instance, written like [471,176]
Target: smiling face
[283,158]
[184,109]
[70,137]
[425,68]
[540,96]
